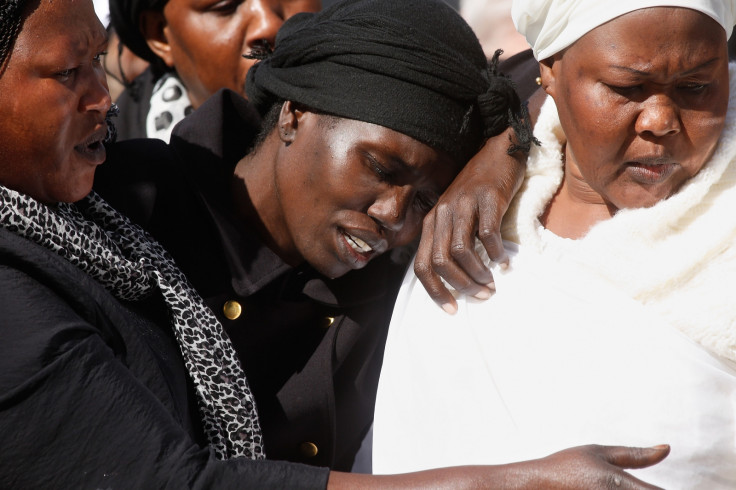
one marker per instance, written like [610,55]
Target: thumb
[635,457]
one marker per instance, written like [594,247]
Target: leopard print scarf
[131,265]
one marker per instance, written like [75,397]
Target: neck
[575,207]
[256,199]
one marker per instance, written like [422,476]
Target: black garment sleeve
[84,405]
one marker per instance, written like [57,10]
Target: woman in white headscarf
[616,321]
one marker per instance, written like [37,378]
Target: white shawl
[585,341]
[678,257]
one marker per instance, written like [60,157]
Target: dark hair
[125,19]
[269,120]
[11,17]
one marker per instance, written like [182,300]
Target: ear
[152,25]
[289,118]
[547,70]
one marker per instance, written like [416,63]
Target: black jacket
[311,347]
[94,393]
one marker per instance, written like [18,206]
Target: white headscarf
[552,25]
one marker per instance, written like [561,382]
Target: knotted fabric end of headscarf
[500,107]
[260,51]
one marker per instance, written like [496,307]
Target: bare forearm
[583,467]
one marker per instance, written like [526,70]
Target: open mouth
[357,244]
[92,147]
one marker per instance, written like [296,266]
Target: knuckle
[443,208]
[422,269]
[428,220]
[458,250]
[613,480]
[440,261]
[487,233]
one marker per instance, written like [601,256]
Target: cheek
[598,132]
[704,134]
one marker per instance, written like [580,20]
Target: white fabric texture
[552,25]
[627,336]
[169,105]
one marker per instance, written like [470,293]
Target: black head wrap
[11,16]
[125,17]
[413,66]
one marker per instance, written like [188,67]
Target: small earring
[538,80]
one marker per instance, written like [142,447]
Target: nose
[659,116]
[391,208]
[96,95]
[263,24]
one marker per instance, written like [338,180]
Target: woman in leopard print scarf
[103,243]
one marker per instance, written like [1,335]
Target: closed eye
[625,90]
[695,88]
[65,75]
[225,7]
[382,172]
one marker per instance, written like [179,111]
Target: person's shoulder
[224,126]
[46,295]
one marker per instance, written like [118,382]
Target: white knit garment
[624,337]
[678,258]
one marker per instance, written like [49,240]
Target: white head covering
[552,25]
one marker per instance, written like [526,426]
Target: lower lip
[355,259]
[95,154]
[650,174]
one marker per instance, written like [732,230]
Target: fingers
[599,467]
[425,273]
[447,251]
[489,230]
[634,457]
[472,206]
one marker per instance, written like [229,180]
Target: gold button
[232,310]
[308,449]
[328,321]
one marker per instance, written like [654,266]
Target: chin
[75,194]
[333,271]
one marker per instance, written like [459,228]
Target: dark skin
[472,206]
[69,88]
[204,40]
[660,75]
[584,467]
[340,189]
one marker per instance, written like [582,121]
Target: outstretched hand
[473,206]
[589,467]
[592,467]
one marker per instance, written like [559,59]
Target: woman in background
[195,49]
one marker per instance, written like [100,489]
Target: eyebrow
[685,73]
